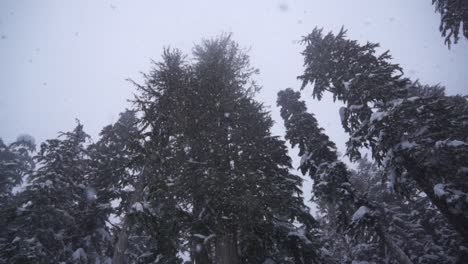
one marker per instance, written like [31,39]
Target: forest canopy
[193,173]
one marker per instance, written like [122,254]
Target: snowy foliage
[353,223]
[55,219]
[416,132]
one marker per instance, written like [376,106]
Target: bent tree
[332,189]
[417,133]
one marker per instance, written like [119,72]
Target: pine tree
[332,190]
[160,101]
[454,19]
[229,177]
[116,161]
[57,219]
[115,169]
[120,169]
[417,132]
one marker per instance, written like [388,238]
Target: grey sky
[61,60]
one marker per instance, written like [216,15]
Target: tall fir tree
[229,176]
[120,164]
[332,190]
[416,132]
[161,122]
[116,161]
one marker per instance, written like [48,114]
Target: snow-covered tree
[333,192]
[453,19]
[120,165]
[116,161]
[228,175]
[416,132]
[415,224]
[57,218]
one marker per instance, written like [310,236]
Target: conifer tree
[120,169]
[115,170]
[161,122]
[57,218]
[228,175]
[116,161]
[332,189]
[416,132]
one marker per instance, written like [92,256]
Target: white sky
[61,60]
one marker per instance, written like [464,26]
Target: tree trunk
[226,249]
[199,249]
[122,242]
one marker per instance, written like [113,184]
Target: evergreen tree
[115,169]
[332,190]
[159,101]
[116,161]
[120,165]
[454,19]
[228,175]
[57,219]
[417,132]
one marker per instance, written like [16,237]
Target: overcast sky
[61,60]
